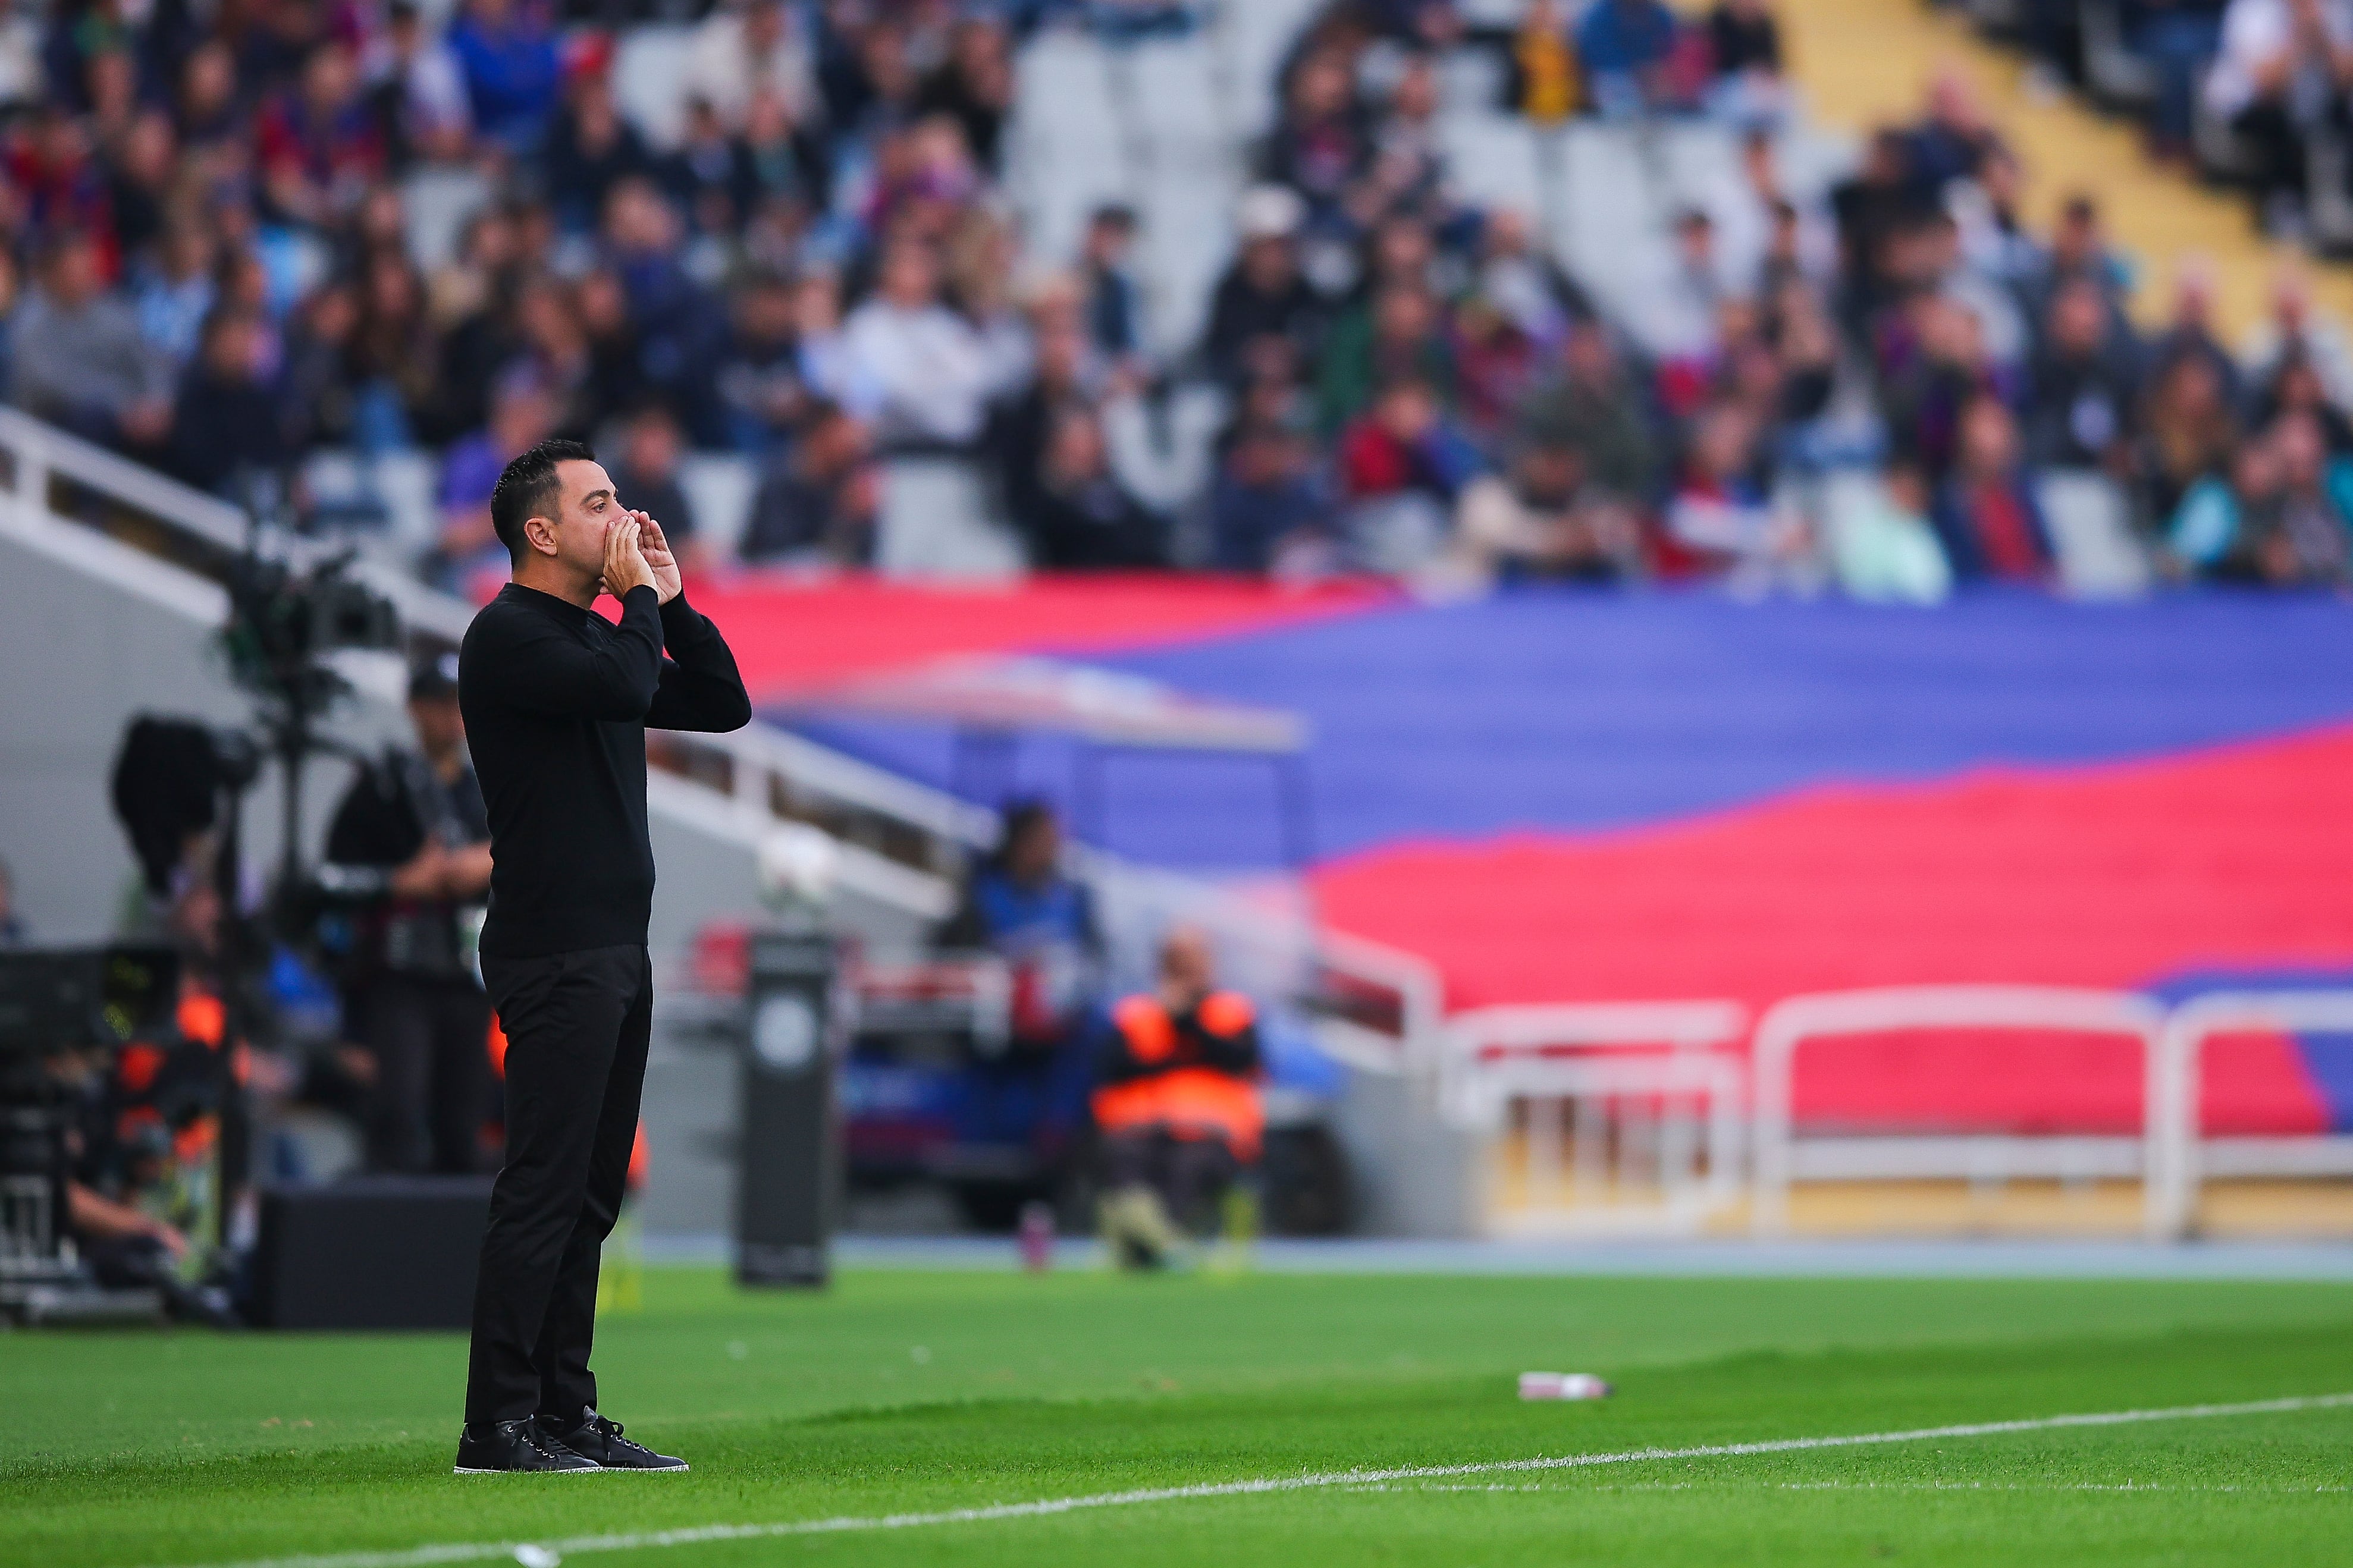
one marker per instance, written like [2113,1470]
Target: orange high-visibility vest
[1190,1101]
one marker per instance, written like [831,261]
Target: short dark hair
[527,487]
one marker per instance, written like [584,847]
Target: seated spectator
[417,91]
[79,359]
[758,382]
[1083,517]
[1996,244]
[143,171]
[1591,406]
[1062,376]
[1988,520]
[392,361]
[1743,40]
[925,361]
[616,375]
[1022,904]
[1114,306]
[825,364]
[2202,536]
[1676,314]
[789,181]
[521,415]
[321,146]
[59,184]
[1265,317]
[1722,519]
[2079,248]
[709,176]
[1952,139]
[1403,443]
[678,323]
[1269,510]
[645,479]
[974,86]
[514,76]
[820,504]
[318,399]
[226,432]
[1496,364]
[748,49]
[208,107]
[172,289]
[977,263]
[1319,144]
[2305,539]
[2083,394]
[1878,201]
[1516,278]
[2187,433]
[590,148]
[2190,329]
[2178,39]
[1546,521]
[2294,329]
[1886,550]
[1407,176]
[1939,367]
[2295,388]
[1544,82]
[1177,1103]
[1626,46]
[1397,333]
[2278,81]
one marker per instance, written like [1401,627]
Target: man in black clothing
[556,703]
[414,823]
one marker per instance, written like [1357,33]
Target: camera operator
[411,998]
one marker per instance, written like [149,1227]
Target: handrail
[1791,1023]
[2175,1108]
[1472,1038]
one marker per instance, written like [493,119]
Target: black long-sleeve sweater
[558,703]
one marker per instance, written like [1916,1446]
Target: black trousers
[1189,1173]
[430,1039]
[577,1025]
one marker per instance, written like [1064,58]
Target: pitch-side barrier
[1665,1082]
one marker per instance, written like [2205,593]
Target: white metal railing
[1783,1157]
[2186,1155]
[898,843]
[1651,1079]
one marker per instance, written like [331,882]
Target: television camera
[55,1001]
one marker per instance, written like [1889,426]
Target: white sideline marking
[480,1551]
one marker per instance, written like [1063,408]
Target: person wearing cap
[1264,315]
[412,840]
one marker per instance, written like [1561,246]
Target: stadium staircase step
[1862,63]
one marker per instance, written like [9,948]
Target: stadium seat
[937,522]
[718,486]
[438,201]
[648,68]
[2091,531]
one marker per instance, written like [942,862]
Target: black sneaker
[521,1445]
[601,1440]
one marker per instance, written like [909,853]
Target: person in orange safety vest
[1177,1101]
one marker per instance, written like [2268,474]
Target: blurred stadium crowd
[212,206]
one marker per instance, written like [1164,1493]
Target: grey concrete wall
[1415,1175]
[84,655]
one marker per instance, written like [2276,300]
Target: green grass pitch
[910,1392]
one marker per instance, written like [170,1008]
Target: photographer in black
[414,833]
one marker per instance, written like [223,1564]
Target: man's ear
[538,532]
